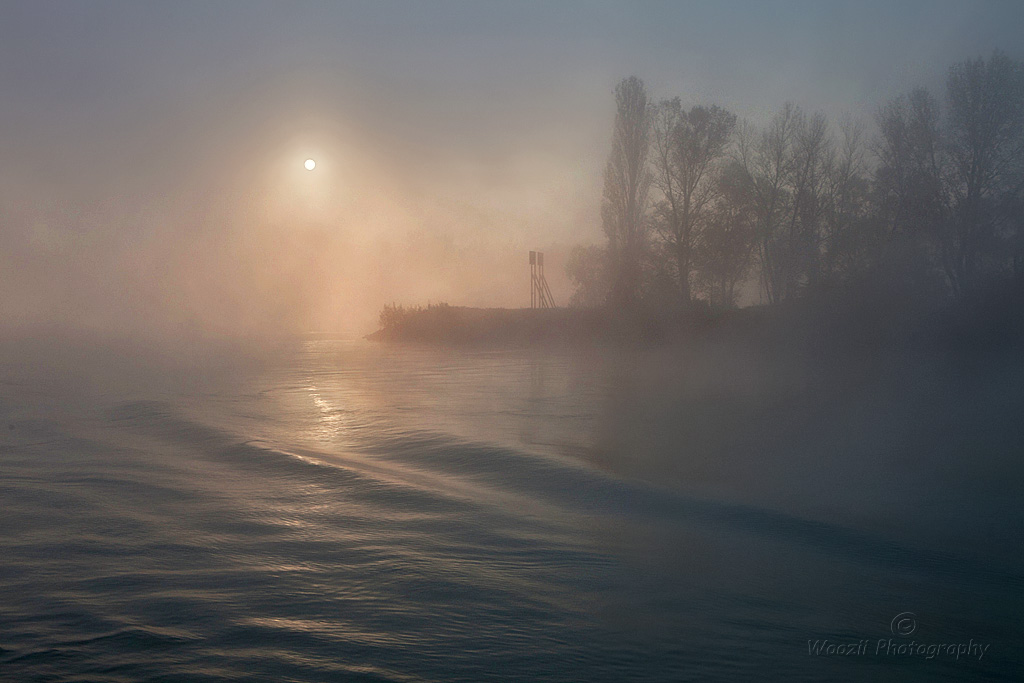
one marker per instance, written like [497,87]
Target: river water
[343,511]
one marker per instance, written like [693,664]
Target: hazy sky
[151,154]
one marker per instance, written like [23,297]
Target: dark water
[351,512]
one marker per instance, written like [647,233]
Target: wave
[415,471]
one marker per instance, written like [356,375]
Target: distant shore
[461,325]
[511,326]
[854,325]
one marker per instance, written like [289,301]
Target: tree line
[698,206]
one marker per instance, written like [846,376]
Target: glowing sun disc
[310,164]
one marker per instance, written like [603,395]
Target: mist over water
[768,429]
[151,181]
[348,511]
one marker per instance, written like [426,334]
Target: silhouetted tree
[813,155]
[851,237]
[391,316]
[937,208]
[587,267]
[689,148]
[626,184]
[788,167]
[768,160]
[724,251]
[986,178]
[911,200]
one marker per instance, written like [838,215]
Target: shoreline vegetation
[841,325]
[469,326]
[462,325]
[853,238]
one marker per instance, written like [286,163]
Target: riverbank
[855,325]
[460,325]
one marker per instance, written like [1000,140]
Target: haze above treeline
[152,185]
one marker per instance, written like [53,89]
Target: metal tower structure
[540,293]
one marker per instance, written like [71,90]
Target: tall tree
[788,166]
[813,156]
[850,238]
[768,160]
[689,148]
[587,267]
[910,196]
[725,248]
[626,184]
[986,150]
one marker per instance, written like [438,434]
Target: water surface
[353,512]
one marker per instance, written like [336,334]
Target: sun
[310,164]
